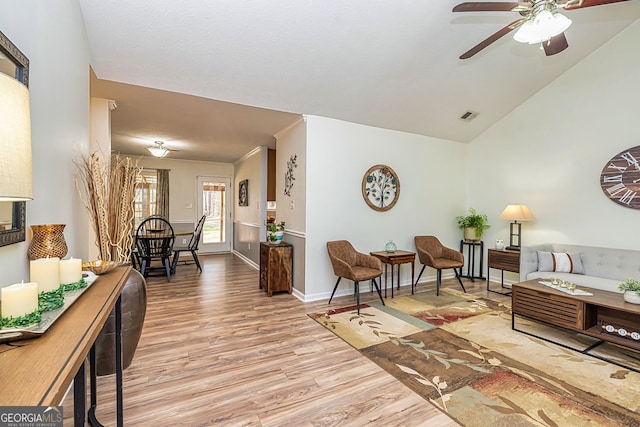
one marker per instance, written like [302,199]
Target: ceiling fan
[159,150]
[540,21]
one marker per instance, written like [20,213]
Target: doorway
[213,202]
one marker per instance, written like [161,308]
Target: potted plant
[631,289]
[275,231]
[473,224]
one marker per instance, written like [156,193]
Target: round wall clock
[380,187]
[620,178]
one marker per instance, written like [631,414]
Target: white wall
[291,142]
[432,175]
[549,153]
[51,35]
[252,167]
[183,178]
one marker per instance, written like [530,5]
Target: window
[145,200]
[213,199]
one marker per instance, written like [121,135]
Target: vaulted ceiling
[214,79]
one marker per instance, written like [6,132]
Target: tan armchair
[433,254]
[353,265]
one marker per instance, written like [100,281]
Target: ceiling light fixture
[540,29]
[158,150]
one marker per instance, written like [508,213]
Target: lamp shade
[517,213]
[16,179]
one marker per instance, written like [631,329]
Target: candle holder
[47,241]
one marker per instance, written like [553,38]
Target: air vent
[468,116]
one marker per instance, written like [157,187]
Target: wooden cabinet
[276,265]
[600,314]
[505,260]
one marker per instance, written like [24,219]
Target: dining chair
[353,265]
[154,241]
[192,247]
[433,254]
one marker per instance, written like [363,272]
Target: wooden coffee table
[605,315]
[393,259]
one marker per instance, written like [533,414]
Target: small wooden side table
[276,266]
[504,260]
[393,259]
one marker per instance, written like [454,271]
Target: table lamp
[16,180]
[516,213]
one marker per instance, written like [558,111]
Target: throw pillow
[560,262]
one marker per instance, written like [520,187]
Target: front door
[213,202]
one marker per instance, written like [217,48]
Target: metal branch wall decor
[288,176]
[380,187]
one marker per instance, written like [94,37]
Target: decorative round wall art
[380,187]
[620,178]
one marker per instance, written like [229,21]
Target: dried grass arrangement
[108,195]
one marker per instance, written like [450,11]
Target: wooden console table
[38,372]
[393,259]
[604,315]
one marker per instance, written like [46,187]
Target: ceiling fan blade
[486,42]
[555,44]
[577,4]
[500,6]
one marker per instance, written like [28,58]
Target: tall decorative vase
[47,241]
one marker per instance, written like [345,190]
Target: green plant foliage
[75,285]
[21,321]
[273,226]
[630,285]
[51,300]
[473,220]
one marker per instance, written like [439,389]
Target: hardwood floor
[215,350]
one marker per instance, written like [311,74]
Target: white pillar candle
[70,270]
[19,299]
[46,273]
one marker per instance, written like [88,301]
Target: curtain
[162,193]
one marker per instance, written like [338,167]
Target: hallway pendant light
[158,150]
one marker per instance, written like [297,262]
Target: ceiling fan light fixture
[544,26]
[158,150]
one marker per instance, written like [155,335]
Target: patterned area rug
[460,353]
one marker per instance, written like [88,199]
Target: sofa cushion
[560,261]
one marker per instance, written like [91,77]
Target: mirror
[12,214]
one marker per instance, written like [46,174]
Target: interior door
[214,199]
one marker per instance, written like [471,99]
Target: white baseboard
[247,260]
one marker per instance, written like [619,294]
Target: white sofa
[604,268]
